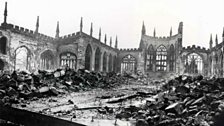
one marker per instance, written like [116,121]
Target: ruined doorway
[194,64]
[3,41]
[22,58]
[115,64]
[110,63]
[105,62]
[68,59]
[128,64]
[47,60]
[88,57]
[97,59]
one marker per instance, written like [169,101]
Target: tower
[57,30]
[143,29]
[211,42]
[180,28]
[37,25]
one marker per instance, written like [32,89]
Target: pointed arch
[128,64]
[194,64]
[161,58]
[115,64]
[105,62]
[22,58]
[149,58]
[47,60]
[3,43]
[68,59]
[88,57]
[172,58]
[1,65]
[97,59]
[221,64]
[110,63]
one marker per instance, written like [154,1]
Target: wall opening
[161,58]
[115,64]
[68,59]
[105,62]
[23,57]
[149,58]
[46,60]
[110,63]
[88,57]
[97,59]
[3,41]
[172,58]
[194,64]
[1,65]
[128,64]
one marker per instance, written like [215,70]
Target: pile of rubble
[24,85]
[183,101]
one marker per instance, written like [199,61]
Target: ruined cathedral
[24,49]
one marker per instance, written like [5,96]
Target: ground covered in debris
[97,99]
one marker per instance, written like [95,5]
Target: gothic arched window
[161,58]
[172,57]
[194,64]
[68,59]
[128,63]
[149,58]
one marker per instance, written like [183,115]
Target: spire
[216,40]
[143,28]
[223,35]
[105,39]
[91,29]
[154,33]
[171,31]
[110,41]
[37,25]
[100,34]
[211,42]
[57,30]
[180,28]
[116,43]
[81,25]
[5,13]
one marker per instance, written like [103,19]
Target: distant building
[24,49]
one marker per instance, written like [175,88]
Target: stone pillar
[81,54]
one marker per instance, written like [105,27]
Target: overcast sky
[122,18]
